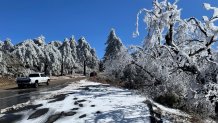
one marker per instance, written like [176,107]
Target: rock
[93,74]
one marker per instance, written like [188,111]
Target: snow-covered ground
[84,102]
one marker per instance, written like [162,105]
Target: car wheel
[47,83]
[36,85]
[20,86]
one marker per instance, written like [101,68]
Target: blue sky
[57,19]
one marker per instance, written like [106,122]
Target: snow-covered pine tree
[40,41]
[1,44]
[7,46]
[53,55]
[116,56]
[38,56]
[113,46]
[83,49]
[87,54]
[73,45]
[68,56]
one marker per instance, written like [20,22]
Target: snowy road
[81,102]
[89,102]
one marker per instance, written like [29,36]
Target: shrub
[169,100]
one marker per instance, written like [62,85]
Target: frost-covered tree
[86,54]
[30,53]
[73,45]
[83,49]
[53,58]
[116,56]
[1,44]
[7,46]
[56,43]
[68,60]
[168,30]
[50,58]
[40,41]
[178,53]
[113,46]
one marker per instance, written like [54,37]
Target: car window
[43,75]
[34,75]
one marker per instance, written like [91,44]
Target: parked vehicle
[33,79]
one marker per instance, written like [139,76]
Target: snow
[205,18]
[170,110]
[15,107]
[207,6]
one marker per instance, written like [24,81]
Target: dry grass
[106,80]
[6,81]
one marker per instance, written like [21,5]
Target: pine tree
[113,46]
[83,49]
[73,47]
[116,56]
[7,46]
[1,45]
[86,53]
[40,41]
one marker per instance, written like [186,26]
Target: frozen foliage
[10,65]
[209,7]
[87,54]
[177,58]
[7,45]
[1,57]
[40,41]
[116,56]
[180,52]
[113,46]
[53,57]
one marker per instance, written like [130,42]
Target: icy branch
[136,33]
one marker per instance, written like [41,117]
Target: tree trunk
[62,66]
[169,37]
[84,72]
